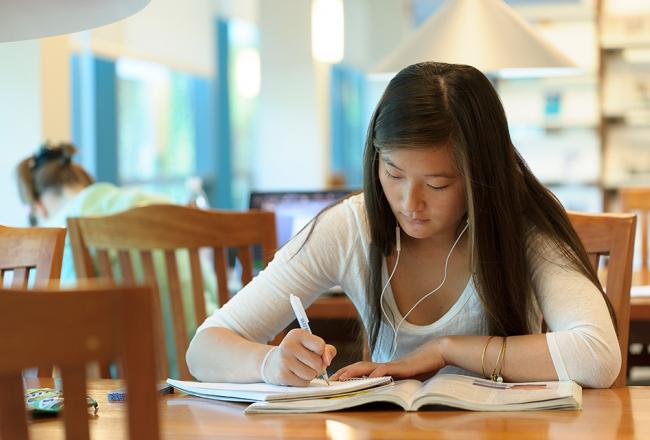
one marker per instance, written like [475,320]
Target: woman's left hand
[420,364]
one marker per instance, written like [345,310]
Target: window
[156,127]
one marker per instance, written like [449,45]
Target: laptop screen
[294,209]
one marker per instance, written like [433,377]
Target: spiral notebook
[263,392]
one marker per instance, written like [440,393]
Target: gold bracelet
[483,356]
[496,373]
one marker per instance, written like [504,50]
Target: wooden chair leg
[13,417]
[75,411]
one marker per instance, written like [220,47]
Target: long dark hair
[430,105]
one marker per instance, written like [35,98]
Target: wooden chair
[25,249]
[169,228]
[638,200]
[613,235]
[32,250]
[69,329]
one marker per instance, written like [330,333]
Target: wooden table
[640,308]
[340,306]
[337,306]
[622,413]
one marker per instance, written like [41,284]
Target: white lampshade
[27,19]
[487,34]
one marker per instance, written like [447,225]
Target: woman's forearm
[220,355]
[527,358]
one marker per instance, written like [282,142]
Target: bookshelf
[587,135]
[624,73]
[555,120]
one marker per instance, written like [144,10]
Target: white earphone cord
[381,297]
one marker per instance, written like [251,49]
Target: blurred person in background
[55,188]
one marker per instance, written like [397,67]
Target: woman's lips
[416,221]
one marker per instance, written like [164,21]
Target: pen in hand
[301,316]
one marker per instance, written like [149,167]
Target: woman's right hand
[300,357]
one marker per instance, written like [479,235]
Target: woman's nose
[411,199]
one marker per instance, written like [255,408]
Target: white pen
[301,316]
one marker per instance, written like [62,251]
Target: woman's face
[424,190]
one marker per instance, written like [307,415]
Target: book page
[263,391]
[482,392]
[400,393]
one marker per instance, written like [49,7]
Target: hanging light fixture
[487,34]
[327,30]
[28,19]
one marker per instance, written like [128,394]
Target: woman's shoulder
[356,203]
[353,209]
[346,218]
[83,203]
[545,250]
[105,198]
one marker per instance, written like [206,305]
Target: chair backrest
[26,249]
[638,200]
[70,328]
[169,228]
[612,235]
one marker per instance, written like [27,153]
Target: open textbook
[450,390]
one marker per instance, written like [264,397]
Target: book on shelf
[448,390]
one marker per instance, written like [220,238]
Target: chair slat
[21,276]
[159,333]
[246,259]
[643,218]
[126,266]
[220,268]
[104,264]
[13,417]
[139,348]
[76,411]
[197,286]
[178,315]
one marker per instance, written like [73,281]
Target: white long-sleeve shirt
[581,338]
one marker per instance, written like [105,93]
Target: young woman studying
[453,255]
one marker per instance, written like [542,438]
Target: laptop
[294,209]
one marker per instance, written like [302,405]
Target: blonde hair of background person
[486,251]
[56,188]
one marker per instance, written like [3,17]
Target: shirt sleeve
[582,340]
[305,266]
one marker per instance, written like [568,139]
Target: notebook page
[264,391]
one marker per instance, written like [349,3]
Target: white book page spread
[484,392]
[400,393]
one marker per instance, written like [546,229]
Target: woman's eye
[438,188]
[392,176]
